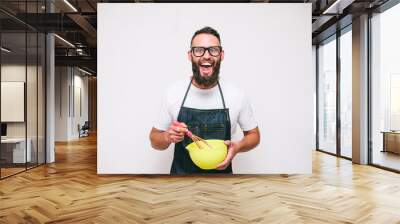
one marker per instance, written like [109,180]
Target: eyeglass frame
[207,49]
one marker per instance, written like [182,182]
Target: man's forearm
[250,140]
[159,139]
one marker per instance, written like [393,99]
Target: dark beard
[208,80]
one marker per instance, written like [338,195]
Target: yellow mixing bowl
[208,158]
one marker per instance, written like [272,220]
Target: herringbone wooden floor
[70,191]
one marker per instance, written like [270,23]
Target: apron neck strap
[187,91]
[222,95]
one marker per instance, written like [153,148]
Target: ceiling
[76,22]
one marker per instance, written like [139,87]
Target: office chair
[84,130]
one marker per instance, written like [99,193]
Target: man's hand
[249,141]
[176,131]
[161,140]
[233,149]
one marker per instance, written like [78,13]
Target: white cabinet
[18,149]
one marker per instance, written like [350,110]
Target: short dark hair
[206,30]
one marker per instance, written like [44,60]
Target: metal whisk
[196,139]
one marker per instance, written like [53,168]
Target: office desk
[391,141]
[13,150]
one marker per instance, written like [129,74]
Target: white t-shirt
[240,111]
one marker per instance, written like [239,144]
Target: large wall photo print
[205,88]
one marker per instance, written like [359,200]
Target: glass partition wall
[385,89]
[22,88]
[327,95]
[334,80]
[345,62]
[13,89]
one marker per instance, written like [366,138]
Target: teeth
[206,65]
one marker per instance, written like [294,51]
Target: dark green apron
[207,124]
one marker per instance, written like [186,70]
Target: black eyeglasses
[200,51]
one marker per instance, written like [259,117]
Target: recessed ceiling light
[70,5]
[84,71]
[5,50]
[64,40]
[338,6]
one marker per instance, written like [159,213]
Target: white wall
[68,81]
[79,117]
[142,49]
[61,103]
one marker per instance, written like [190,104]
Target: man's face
[206,67]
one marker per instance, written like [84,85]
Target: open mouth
[206,68]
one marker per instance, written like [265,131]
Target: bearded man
[207,106]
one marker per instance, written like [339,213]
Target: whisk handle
[189,133]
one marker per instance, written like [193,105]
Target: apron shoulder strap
[187,91]
[222,95]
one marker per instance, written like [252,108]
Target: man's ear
[190,56]
[222,55]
